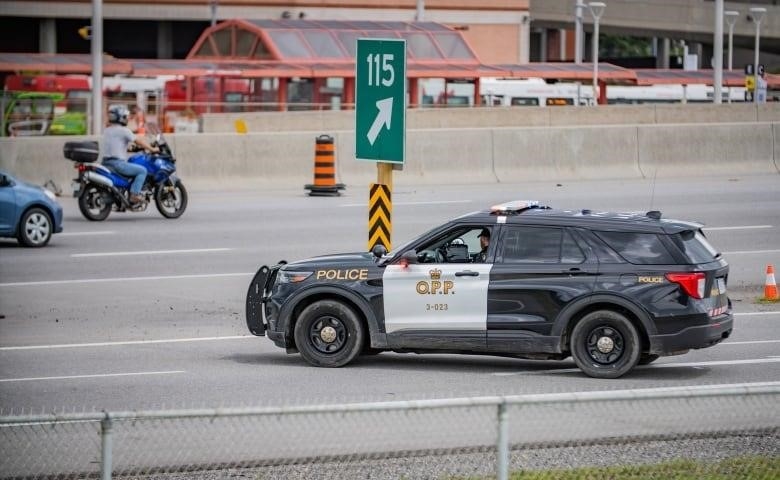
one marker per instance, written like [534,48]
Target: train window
[493,100]
[458,100]
[559,101]
[525,101]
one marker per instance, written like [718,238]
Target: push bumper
[697,336]
[254,302]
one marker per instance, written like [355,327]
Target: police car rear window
[638,248]
[695,246]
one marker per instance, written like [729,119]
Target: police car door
[440,303]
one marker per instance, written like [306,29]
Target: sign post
[380,122]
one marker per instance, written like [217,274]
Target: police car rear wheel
[328,334]
[605,344]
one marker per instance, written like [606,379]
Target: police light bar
[515,206]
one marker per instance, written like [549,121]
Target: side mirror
[4,181]
[410,257]
[379,250]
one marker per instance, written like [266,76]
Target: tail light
[691,283]
[81,167]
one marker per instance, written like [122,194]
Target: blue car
[28,212]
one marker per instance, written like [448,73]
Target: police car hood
[340,260]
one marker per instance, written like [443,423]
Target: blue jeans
[127,169]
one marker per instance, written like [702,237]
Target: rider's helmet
[118,114]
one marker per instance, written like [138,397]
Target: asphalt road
[140,312]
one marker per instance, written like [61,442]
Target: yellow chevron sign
[380,207]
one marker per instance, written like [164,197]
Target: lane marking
[432,202]
[125,279]
[744,227]
[749,342]
[128,342]
[747,252]
[212,339]
[150,252]
[653,366]
[747,314]
[78,234]
[100,375]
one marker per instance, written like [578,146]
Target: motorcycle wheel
[95,203]
[171,200]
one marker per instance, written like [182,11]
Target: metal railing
[484,437]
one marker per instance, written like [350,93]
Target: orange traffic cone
[770,287]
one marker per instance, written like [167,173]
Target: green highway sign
[380,100]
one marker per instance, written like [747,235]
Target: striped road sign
[380,208]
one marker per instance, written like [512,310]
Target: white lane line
[744,227]
[128,342]
[749,342]
[653,366]
[101,375]
[747,314]
[748,252]
[79,234]
[150,252]
[432,202]
[125,279]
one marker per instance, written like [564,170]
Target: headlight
[292,277]
[49,194]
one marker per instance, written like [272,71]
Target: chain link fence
[713,432]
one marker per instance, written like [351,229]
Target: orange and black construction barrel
[324,169]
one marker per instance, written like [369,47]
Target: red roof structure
[289,48]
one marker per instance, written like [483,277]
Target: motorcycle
[101,190]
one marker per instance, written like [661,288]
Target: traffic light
[85,32]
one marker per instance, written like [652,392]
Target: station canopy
[288,48]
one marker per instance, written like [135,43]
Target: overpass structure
[691,21]
[500,31]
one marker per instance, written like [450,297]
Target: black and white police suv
[612,290]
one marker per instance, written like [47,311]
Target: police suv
[612,290]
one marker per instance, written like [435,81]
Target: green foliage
[615,46]
[739,467]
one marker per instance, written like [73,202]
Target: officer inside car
[484,242]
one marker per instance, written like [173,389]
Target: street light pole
[578,32]
[597,10]
[97,67]
[717,81]
[213,7]
[758,14]
[731,20]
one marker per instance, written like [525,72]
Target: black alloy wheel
[605,344]
[95,202]
[328,333]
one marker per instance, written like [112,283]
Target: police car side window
[540,245]
[638,248]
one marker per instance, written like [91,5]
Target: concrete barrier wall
[338,120]
[448,155]
[733,149]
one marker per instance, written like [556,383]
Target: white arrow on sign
[383,117]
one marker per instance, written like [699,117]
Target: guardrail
[474,437]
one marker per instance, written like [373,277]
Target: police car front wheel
[605,344]
[328,333]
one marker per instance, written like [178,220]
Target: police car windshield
[406,246]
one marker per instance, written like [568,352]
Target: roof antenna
[652,192]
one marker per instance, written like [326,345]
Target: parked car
[28,212]
[611,290]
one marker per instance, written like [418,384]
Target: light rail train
[537,92]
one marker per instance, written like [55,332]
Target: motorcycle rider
[116,138]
